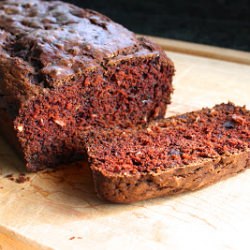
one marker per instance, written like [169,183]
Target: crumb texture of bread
[172,155]
[65,70]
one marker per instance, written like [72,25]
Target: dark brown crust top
[46,44]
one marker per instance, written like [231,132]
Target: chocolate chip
[229,124]
[183,116]
[189,137]
[219,135]
[174,152]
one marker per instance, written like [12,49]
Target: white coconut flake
[20,128]
[60,123]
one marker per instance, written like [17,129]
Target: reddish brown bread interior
[170,155]
[65,70]
[174,141]
[126,95]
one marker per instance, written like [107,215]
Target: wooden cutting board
[59,210]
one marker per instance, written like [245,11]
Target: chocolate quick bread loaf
[172,155]
[64,70]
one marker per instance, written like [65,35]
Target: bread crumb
[21,178]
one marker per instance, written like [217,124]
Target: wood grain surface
[203,50]
[59,209]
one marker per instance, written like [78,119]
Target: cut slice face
[170,155]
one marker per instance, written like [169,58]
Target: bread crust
[127,189]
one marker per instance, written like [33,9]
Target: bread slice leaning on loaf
[172,155]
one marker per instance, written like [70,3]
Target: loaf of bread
[171,155]
[65,70]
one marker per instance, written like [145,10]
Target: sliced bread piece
[171,155]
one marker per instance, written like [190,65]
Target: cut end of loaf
[126,94]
